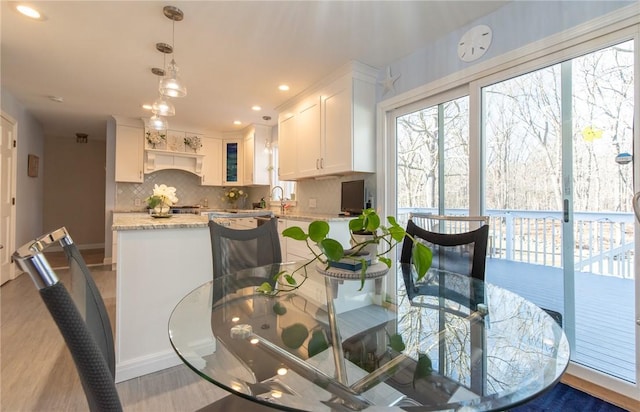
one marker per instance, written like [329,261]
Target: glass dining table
[448,342]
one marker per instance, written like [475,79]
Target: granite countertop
[144,221]
[306,216]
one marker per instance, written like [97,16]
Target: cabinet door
[232,154]
[129,154]
[287,148]
[248,152]
[212,162]
[308,137]
[337,142]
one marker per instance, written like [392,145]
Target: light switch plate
[137,202]
[312,202]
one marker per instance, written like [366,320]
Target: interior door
[7,196]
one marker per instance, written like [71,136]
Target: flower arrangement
[155,138]
[163,197]
[233,194]
[193,142]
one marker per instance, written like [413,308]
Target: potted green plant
[384,238]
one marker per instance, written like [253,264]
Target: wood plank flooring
[37,371]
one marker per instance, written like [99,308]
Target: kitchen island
[160,260]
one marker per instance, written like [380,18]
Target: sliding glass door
[433,157]
[558,186]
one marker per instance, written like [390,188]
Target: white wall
[514,25]
[29,190]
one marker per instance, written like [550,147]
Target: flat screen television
[352,197]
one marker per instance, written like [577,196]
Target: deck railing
[603,242]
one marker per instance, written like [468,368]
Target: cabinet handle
[317,160]
[140,174]
[322,163]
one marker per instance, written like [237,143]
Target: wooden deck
[605,311]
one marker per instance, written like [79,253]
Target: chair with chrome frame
[80,315]
[636,205]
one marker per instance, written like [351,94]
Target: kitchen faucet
[281,197]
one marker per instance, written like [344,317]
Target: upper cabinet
[255,169]
[129,146]
[330,131]
[231,162]
[212,163]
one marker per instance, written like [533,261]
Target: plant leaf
[318,343]
[397,233]
[318,230]
[357,224]
[278,309]
[295,232]
[363,273]
[373,223]
[422,257]
[396,342]
[294,336]
[265,288]
[332,249]
[385,260]
[424,368]
[290,279]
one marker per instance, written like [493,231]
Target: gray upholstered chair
[80,315]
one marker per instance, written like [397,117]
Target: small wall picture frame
[32,165]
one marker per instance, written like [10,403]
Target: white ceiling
[97,55]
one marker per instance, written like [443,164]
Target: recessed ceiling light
[283,87]
[147,106]
[237,122]
[29,11]
[256,108]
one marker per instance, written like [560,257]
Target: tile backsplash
[325,192]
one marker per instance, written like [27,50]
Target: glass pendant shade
[163,107]
[172,85]
[158,123]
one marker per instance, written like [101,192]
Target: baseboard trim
[145,365]
[601,392]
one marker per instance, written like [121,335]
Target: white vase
[162,209]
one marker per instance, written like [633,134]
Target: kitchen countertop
[144,221]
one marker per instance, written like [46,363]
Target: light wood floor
[37,372]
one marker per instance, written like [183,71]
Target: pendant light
[172,85]
[163,107]
[158,123]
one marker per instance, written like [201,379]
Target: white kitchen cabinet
[232,159]
[298,250]
[282,225]
[129,154]
[255,171]
[333,127]
[287,146]
[308,135]
[212,162]
[348,128]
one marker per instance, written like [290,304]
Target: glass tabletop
[449,342]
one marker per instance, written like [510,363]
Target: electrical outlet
[312,203]
[137,202]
